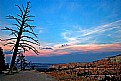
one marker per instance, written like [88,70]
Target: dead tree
[21,40]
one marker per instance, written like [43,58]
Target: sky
[69,30]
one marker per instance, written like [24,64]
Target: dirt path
[27,76]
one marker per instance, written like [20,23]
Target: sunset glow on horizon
[67,27]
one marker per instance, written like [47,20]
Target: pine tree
[2,61]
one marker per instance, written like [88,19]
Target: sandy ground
[27,76]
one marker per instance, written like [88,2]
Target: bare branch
[31,27]
[27,25]
[17,26]
[19,16]
[12,17]
[13,33]
[13,48]
[8,39]
[27,11]
[19,9]
[6,28]
[28,20]
[29,7]
[30,42]
[30,32]
[29,16]
[28,3]
[23,8]
[30,38]
[8,43]
[30,47]
[23,48]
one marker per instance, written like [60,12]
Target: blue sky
[71,22]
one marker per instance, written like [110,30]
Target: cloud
[5,47]
[103,28]
[83,40]
[40,30]
[84,49]
[49,48]
[95,48]
[69,49]
[47,52]
[76,36]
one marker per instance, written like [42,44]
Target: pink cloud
[5,47]
[79,48]
[46,53]
[96,47]
[74,48]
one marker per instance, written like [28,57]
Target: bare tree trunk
[15,52]
[14,56]
[16,46]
